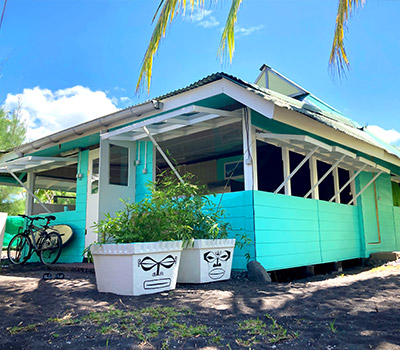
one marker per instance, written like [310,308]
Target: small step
[84,267]
[385,256]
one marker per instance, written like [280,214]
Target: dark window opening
[326,188]
[214,157]
[119,165]
[396,194]
[345,196]
[300,182]
[269,167]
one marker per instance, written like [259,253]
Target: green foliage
[11,200]
[12,134]
[49,196]
[12,130]
[171,211]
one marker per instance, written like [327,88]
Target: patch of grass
[332,327]
[253,326]
[184,331]
[257,331]
[67,319]
[147,323]
[20,329]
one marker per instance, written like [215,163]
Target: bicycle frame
[30,232]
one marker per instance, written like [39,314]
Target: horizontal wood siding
[238,208]
[340,231]
[293,231]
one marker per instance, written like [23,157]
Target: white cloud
[241,31]
[391,136]
[203,18]
[125,99]
[46,112]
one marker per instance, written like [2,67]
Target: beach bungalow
[307,184]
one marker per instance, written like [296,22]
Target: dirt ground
[351,310]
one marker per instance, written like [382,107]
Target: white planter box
[206,261]
[136,268]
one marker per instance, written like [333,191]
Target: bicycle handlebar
[33,218]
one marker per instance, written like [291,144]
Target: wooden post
[286,170]
[249,152]
[314,178]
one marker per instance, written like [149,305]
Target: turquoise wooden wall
[293,231]
[385,216]
[142,179]
[396,217]
[72,252]
[238,208]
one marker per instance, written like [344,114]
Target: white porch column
[336,184]
[314,177]
[30,185]
[249,152]
[286,170]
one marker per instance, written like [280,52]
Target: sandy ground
[351,310]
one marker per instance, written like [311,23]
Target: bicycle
[47,245]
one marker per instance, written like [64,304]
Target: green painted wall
[238,208]
[370,217]
[396,217]
[293,231]
[142,179]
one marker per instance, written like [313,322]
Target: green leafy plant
[332,326]
[171,211]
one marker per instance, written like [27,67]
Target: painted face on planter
[216,261]
[156,269]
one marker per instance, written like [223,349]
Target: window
[119,167]
[233,170]
[94,181]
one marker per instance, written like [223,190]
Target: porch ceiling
[182,122]
[330,154]
[31,163]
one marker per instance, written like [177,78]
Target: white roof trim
[304,144]
[194,117]
[30,163]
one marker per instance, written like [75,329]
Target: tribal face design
[217,263]
[148,264]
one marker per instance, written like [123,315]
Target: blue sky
[67,61]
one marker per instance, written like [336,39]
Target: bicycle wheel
[19,249]
[50,249]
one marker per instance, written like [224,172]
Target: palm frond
[166,11]
[228,35]
[338,57]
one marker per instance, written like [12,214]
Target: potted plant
[139,248]
[208,252]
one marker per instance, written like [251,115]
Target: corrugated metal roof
[345,125]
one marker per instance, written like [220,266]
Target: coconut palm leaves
[228,35]
[338,57]
[168,9]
